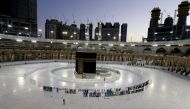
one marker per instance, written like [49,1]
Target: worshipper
[63,101]
[57,90]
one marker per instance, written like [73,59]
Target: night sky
[134,12]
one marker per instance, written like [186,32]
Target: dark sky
[134,12]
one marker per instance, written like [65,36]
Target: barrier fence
[100,92]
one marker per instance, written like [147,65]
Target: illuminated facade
[57,30]
[169,31]
[18,17]
[109,32]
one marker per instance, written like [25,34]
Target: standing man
[63,101]
[57,90]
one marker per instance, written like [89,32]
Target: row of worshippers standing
[55,89]
[98,92]
[173,66]
[116,91]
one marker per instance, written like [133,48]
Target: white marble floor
[20,88]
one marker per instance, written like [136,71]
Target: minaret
[183,12]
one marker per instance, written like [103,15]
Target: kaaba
[85,62]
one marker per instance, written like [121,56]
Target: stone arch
[147,50]
[127,50]
[161,51]
[114,49]
[176,51]
[80,46]
[102,48]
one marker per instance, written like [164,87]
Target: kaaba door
[80,66]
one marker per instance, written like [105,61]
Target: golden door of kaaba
[80,66]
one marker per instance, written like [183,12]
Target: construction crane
[113,18]
[66,21]
[73,19]
[168,14]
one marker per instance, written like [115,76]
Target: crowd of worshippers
[100,92]
[176,67]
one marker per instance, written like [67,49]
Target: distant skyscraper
[155,17]
[53,29]
[110,32]
[123,32]
[18,17]
[116,32]
[82,32]
[70,32]
[90,31]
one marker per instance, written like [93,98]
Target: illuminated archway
[102,48]
[113,49]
